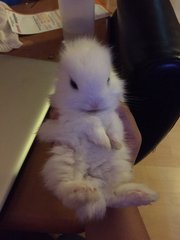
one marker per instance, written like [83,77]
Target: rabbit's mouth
[93,111]
[97,110]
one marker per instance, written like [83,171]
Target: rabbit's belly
[104,163]
[98,160]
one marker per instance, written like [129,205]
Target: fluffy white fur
[90,168]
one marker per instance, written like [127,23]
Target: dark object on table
[145,36]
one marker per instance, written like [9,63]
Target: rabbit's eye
[108,81]
[73,84]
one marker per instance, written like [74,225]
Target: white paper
[26,24]
[34,23]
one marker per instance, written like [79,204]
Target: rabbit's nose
[94,105]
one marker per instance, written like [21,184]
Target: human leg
[123,223]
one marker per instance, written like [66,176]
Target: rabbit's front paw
[100,138]
[115,144]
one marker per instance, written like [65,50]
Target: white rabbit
[90,168]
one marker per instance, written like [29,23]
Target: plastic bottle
[77,18]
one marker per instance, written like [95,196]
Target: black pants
[145,38]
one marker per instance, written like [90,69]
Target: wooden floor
[161,171]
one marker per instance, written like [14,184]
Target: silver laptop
[24,88]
